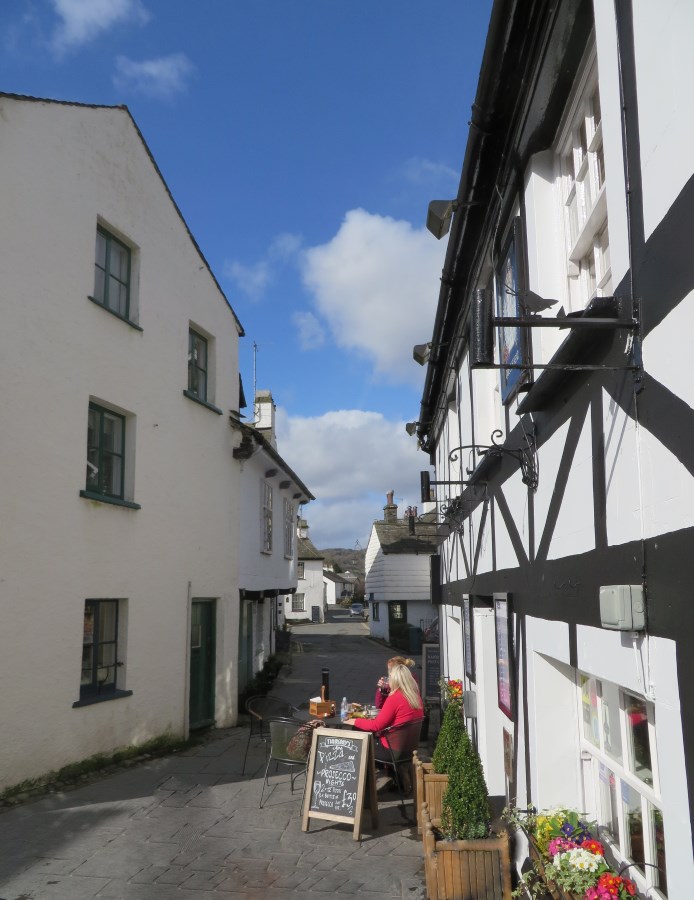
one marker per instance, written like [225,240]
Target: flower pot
[461,870]
[430,789]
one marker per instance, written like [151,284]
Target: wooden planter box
[430,789]
[466,870]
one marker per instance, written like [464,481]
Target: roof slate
[306,549]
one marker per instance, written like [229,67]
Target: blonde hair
[401,661]
[400,679]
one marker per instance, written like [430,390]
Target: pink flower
[559,845]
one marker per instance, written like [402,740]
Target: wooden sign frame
[366,778]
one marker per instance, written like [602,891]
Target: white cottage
[119,354]
[271,497]
[308,603]
[558,411]
[398,575]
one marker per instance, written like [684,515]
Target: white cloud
[349,459]
[254,280]
[81,21]
[162,77]
[376,284]
[310,331]
[421,171]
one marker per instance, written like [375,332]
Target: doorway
[202,663]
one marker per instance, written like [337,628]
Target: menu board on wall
[431,671]
[340,770]
[468,636]
[504,667]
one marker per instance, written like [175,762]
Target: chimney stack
[390,510]
[265,416]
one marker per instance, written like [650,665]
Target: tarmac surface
[188,825]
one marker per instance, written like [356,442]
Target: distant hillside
[348,560]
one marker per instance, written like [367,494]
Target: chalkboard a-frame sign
[340,770]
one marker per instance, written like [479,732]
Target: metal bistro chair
[402,740]
[283,753]
[261,708]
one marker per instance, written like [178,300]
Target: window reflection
[609,817]
[637,721]
[589,704]
[659,847]
[634,825]
[611,733]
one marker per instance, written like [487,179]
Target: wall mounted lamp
[421,353]
[440,213]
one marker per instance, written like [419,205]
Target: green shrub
[465,812]
[449,738]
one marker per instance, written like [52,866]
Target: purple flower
[567,829]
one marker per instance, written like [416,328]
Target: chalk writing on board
[336,775]
[431,654]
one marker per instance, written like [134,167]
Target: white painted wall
[649,492]
[261,571]
[63,167]
[311,585]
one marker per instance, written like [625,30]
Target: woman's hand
[383,684]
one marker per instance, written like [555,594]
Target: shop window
[621,778]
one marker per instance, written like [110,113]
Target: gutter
[468,220]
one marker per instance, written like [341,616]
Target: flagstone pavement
[188,825]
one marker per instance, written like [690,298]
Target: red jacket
[395,711]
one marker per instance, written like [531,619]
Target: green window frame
[197,365]
[105,452]
[99,648]
[112,269]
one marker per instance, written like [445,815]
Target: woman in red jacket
[383,688]
[403,704]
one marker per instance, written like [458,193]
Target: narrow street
[188,825]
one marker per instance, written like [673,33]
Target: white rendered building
[398,576]
[120,533]
[571,499]
[271,498]
[308,603]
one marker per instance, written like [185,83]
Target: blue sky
[302,141]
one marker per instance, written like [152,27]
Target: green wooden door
[245,643]
[202,663]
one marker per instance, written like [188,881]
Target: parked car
[356,610]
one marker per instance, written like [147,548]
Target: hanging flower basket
[568,862]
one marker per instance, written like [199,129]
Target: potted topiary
[462,857]
[431,778]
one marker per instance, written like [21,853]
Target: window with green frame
[105,452]
[112,273]
[99,648]
[197,365]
